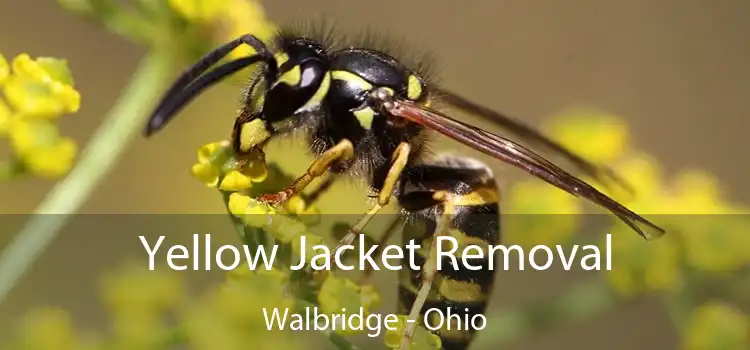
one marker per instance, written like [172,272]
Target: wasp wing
[529,134]
[517,155]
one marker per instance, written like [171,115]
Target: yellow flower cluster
[138,301]
[705,232]
[215,162]
[702,232]
[47,328]
[234,17]
[231,316]
[36,93]
[716,325]
[216,165]
[341,295]
[422,339]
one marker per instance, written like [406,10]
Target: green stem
[99,157]
[581,302]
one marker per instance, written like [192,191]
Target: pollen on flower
[422,339]
[133,289]
[341,295]
[207,151]
[36,92]
[337,293]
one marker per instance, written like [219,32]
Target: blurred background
[675,71]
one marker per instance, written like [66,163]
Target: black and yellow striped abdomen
[473,216]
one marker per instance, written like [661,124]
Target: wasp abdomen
[461,288]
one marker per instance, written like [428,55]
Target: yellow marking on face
[320,94]
[365,117]
[414,88]
[252,134]
[281,58]
[351,78]
[291,77]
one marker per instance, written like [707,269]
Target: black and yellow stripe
[475,220]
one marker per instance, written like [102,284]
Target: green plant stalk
[96,160]
[579,303]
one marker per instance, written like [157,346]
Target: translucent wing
[529,134]
[519,156]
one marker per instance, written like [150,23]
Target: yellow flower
[235,181]
[717,326]
[53,161]
[48,329]
[43,151]
[714,237]
[6,116]
[539,214]
[422,339]
[199,10]
[232,316]
[133,289]
[597,136]
[341,295]
[640,266]
[238,204]
[244,17]
[215,160]
[311,240]
[4,69]
[206,173]
[41,88]
[338,293]
[286,229]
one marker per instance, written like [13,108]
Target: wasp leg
[398,163]
[341,152]
[429,269]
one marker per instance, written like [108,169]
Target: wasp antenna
[191,83]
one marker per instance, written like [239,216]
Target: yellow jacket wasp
[367,114]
